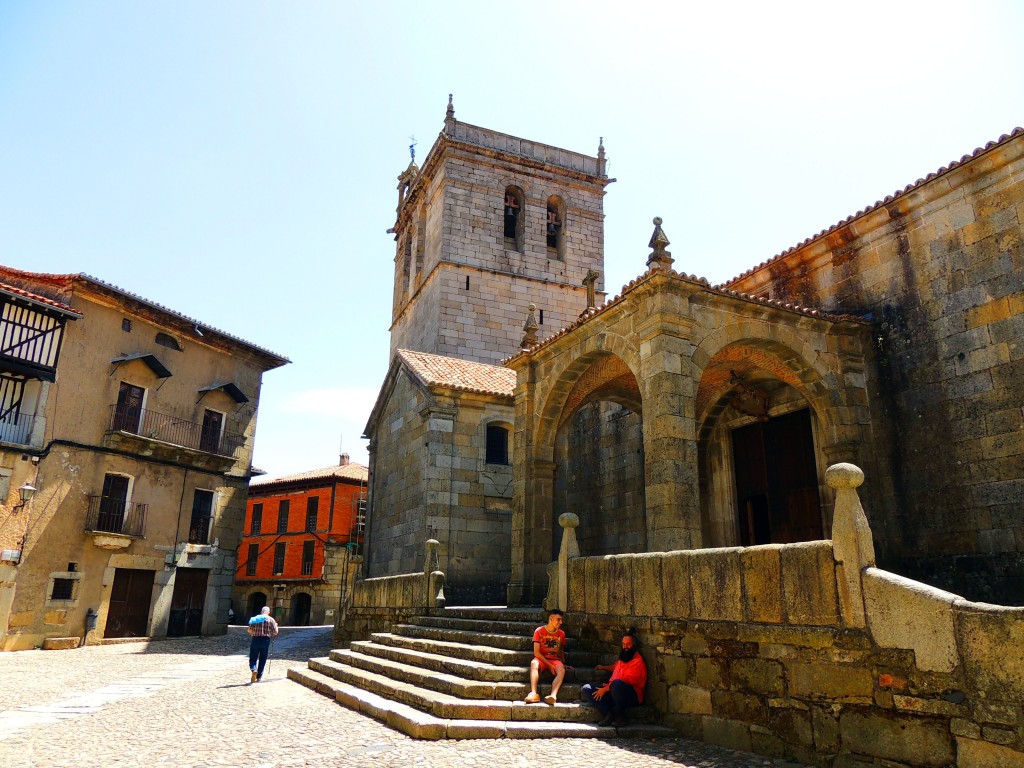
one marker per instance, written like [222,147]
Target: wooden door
[130,599]
[187,602]
[209,437]
[777,481]
[128,414]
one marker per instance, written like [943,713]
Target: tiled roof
[350,471]
[464,375]
[13,290]
[63,282]
[1004,139]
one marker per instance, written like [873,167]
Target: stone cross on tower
[659,258]
[589,282]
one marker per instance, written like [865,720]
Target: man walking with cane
[262,629]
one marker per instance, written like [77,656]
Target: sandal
[532,698]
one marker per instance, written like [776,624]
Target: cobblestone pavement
[188,704]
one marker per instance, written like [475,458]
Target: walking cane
[270,653]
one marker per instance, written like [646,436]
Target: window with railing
[308,548]
[202,517]
[128,415]
[282,516]
[312,507]
[251,559]
[279,558]
[256,522]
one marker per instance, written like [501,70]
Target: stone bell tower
[490,224]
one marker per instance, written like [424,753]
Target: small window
[282,516]
[554,228]
[307,557]
[279,558]
[251,559]
[166,340]
[514,219]
[126,325]
[497,444]
[63,589]
[257,518]
[202,516]
[72,567]
[312,505]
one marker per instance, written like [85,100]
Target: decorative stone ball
[844,476]
[568,520]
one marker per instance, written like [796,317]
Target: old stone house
[685,415]
[301,533]
[138,448]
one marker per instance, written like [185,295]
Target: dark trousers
[259,647]
[619,696]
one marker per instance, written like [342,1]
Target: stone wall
[939,270]
[810,652]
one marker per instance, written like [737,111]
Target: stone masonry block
[902,613]
[762,579]
[990,638]
[647,584]
[974,752]
[675,583]
[688,700]
[914,740]
[829,681]
[809,583]
[716,584]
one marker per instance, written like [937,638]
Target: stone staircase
[463,674]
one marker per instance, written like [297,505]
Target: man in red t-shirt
[548,655]
[626,686]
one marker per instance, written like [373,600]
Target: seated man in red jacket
[626,686]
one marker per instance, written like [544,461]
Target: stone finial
[852,543]
[570,549]
[659,258]
[531,327]
[589,282]
[602,162]
[449,117]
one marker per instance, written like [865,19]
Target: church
[685,415]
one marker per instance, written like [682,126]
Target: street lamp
[26,492]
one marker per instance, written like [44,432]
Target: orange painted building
[300,533]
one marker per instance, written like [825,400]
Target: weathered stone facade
[939,270]
[430,478]
[141,472]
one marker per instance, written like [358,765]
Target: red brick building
[300,534]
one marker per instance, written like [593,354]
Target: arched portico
[679,355]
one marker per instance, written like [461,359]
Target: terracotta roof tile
[1004,139]
[464,375]
[35,298]
[351,471]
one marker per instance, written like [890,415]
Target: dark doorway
[128,412]
[777,481]
[256,602]
[130,598]
[301,604]
[187,602]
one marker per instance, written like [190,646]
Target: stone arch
[750,381]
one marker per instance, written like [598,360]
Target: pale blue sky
[236,161]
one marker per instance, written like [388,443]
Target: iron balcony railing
[171,429]
[16,428]
[113,515]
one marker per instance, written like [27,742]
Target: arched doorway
[256,602]
[599,461]
[301,604]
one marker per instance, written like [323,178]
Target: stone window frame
[518,243]
[498,424]
[73,576]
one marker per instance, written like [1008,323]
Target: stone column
[531,533]
[670,445]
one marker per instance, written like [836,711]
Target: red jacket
[633,672]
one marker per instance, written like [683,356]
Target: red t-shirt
[633,672]
[551,643]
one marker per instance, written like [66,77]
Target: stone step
[421,725]
[443,682]
[447,706]
[535,616]
[453,660]
[492,640]
[489,626]
[482,653]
